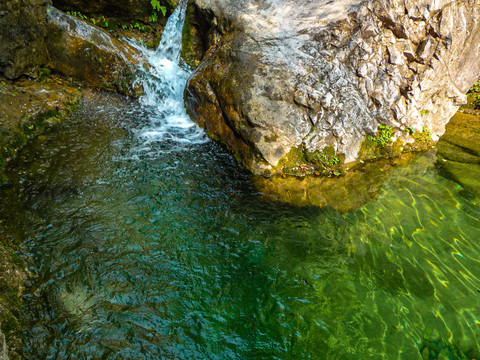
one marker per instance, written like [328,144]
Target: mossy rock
[456,153]
[27,108]
[301,162]
[192,47]
[467,175]
[463,131]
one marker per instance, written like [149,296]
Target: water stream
[147,241]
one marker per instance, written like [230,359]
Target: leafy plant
[383,137]
[156,7]
[139,27]
[326,158]
[474,95]
[78,14]
[410,130]
[300,162]
[424,137]
[380,145]
[100,21]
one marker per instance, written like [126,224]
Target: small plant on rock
[474,95]
[380,145]
[156,8]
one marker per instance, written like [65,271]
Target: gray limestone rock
[283,73]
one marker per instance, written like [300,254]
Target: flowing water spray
[164,84]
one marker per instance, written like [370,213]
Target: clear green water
[160,251]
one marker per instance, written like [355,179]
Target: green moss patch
[423,139]
[190,47]
[301,162]
[382,144]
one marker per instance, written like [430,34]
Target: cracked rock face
[289,72]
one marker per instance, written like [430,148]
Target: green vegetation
[474,96]
[190,52]
[380,145]
[383,137]
[425,136]
[101,21]
[156,8]
[300,162]
[112,25]
[43,73]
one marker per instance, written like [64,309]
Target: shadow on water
[148,250]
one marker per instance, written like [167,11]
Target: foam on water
[163,84]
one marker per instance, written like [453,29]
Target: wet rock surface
[285,73]
[90,54]
[126,8]
[22,37]
[129,9]
[3,347]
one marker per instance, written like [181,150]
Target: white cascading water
[164,84]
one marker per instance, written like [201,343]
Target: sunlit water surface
[163,250]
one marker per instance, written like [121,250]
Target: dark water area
[161,250]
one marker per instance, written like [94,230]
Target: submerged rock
[90,54]
[284,73]
[459,149]
[344,193]
[27,108]
[22,37]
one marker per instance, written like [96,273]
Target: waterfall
[171,42]
[164,84]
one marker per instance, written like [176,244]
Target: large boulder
[90,54]
[291,73]
[22,34]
